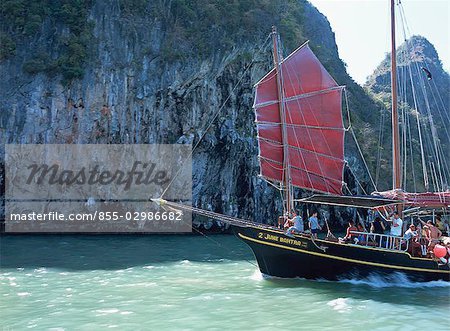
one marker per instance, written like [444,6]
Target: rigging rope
[439,175]
[263,46]
[174,207]
[419,132]
[412,154]
[364,160]
[357,181]
[224,218]
[350,128]
[221,246]
[379,146]
[406,116]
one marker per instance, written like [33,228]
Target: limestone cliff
[113,71]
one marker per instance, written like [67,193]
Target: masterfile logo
[141,173]
[107,183]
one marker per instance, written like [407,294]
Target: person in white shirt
[297,227]
[411,232]
[396,227]
[396,230]
[412,236]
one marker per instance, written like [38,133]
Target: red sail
[313,120]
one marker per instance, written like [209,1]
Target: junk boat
[298,107]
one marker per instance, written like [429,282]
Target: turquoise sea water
[192,283]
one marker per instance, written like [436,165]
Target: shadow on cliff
[109,252]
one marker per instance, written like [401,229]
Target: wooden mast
[277,57]
[396,167]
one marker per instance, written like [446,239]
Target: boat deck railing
[384,241]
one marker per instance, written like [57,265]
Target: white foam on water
[397,279]
[340,304]
[141,284]
[107,311]
[185,262]
[257,275]
[12,281]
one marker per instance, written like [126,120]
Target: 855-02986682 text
[100,216]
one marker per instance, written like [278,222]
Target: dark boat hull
[281,256]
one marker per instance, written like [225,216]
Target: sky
[362,29]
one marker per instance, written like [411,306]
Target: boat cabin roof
[350,201]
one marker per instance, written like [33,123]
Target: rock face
[145,79]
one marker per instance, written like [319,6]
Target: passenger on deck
[423,241]
[396,227]
[412,236]
[280,223]
[287,221]
[314,225]
[440,225]
[377,226]
[426,232]
[411,232]
[298,226]
[349,235]
[446,259]
[434,233]
[362,238]
[447,245]
[447,228]
[282,220]
[396,230]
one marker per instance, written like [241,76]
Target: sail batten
[304,95]
[297,149]
[312,129]
[301,126]
[298,168]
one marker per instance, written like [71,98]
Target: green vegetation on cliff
[192,28]
[200,27]
[22,21]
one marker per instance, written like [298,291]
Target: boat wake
[397,279]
